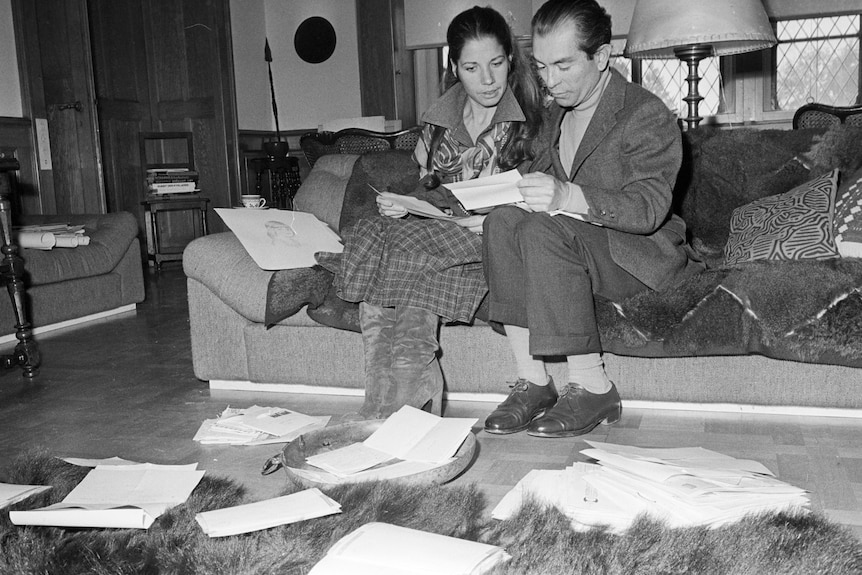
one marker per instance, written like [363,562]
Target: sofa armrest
[110,237]
[221,263]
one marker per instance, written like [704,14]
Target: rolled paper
[66,240]
[36,240]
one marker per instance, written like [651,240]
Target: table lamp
[692,30]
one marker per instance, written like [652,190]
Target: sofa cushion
[795,225]
[725,169]
[847,222]
[110,237]
[322,192]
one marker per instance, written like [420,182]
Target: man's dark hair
[591,20]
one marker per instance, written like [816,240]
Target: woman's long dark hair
[478,23]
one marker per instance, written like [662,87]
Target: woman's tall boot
[378,331]
[415,372]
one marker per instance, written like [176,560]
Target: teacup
[253,201]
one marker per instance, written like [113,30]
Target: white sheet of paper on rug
[408,434]
[384,549]
[568,491]
[280,239]
[293,508]
[94,462]
[118,496]
[488,191]
[11,493]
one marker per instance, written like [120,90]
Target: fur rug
[539,539]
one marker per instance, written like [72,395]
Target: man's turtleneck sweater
[572,130]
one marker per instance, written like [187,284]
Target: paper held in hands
[488,191]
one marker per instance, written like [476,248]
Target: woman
[408,273]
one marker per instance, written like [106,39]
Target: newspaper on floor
[257,425]
[681,486]
[11,493]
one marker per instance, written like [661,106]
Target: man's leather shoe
[526,402]
[577,412]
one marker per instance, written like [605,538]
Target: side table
[156,206]
[26,353]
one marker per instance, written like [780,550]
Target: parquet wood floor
[124,386]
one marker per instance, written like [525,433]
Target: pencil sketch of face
[281,233]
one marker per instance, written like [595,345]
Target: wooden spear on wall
[276,149]
[268,55]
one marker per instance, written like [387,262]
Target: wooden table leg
[26,353]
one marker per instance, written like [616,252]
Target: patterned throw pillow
[795,225]
[847,223]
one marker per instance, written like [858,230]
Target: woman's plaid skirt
[431,264]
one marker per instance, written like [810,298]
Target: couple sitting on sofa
[605,155]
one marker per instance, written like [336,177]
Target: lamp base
[692,55]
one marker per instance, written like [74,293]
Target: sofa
[66,285]
[772,332]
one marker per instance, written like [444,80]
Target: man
[599,224]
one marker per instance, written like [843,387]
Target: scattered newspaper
[257,425]
[682,486]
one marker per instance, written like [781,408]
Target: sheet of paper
[280,239]
[301,506]
[11,493]
[489,191]
[381,548]
[90,462]
[416,206]
[349,459]
[417,435]
[133,494]
[575,216]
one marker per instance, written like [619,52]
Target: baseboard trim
[10,338]
[495,398]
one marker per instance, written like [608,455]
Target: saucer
[246,208]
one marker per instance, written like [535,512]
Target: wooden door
[165,66]
[58,83]
[385,65]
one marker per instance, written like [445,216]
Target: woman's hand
[472,223]
[388,208]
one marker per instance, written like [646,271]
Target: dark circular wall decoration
[314,40]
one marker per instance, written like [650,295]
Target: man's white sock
[588,371]
[529,368]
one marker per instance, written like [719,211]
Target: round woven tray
[329,438]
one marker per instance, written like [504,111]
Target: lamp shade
[729,26]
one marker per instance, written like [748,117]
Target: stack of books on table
[162,181]
[257,425]
[683,487]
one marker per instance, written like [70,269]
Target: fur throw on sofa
[806,310]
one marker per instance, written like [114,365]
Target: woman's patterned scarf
[453,163]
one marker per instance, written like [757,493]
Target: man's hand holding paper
[545,193]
